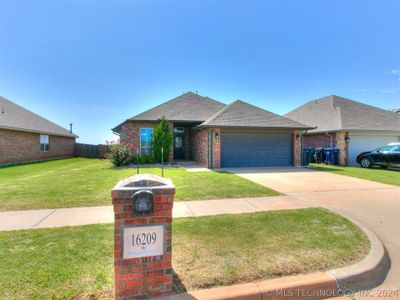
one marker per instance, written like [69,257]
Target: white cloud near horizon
[394,72]
[389,91]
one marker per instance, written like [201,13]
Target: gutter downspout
[331,136]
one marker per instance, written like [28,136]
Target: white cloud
[389,91]
[395,72]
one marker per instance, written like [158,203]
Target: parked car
[386,156]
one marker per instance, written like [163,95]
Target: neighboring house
[351,126]
[25,136]
[218,135]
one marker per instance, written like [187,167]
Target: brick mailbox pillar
[142,236]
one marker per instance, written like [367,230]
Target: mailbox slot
[143,203]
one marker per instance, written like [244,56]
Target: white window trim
[48,142]
[140,138]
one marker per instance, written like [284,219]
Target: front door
[179,143]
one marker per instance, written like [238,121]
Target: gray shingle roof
[15,117]
[242,114]
[335,113]
[187,107]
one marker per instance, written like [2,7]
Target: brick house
[218,135]
[350,126]
[26,137]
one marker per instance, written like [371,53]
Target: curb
[370,272]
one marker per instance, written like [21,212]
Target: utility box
[142,236]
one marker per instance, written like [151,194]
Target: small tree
[162,138]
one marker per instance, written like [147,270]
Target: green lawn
[88,182]
[373,174]
[77,262]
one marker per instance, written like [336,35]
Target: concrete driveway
[375,205]
[292,180]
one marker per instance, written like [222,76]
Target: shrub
[146,159]
[162,138]
[119,154]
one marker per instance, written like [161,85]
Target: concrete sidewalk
[45,218]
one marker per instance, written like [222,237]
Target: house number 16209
[143,239]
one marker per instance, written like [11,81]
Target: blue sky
[96,63]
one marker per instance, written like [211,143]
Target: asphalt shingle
[334,113]
[194,108]
[242,114]
[15,117]
[186,107]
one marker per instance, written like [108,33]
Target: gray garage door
[256,149]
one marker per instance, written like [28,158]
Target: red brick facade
[144,277]
[199,143]
[296,148]
[199,146]
[21,146]
[316,140]
[216,138]
[323,140]
[130,133]
[341,144]
[196,142]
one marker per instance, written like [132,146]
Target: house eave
[376,131]
[251,127]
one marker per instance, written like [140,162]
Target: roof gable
[186,107]
[242,114]
[335,113]
[15,117]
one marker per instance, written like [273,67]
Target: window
[44,143]
[146,137]
[388,148]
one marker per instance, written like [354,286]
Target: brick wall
[199,146]
[316,140]
[151,276]
[340,143]
[20,146]
[131,130]
[296,148]
[216,148]
[324,141]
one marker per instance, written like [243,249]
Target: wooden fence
[90,151]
